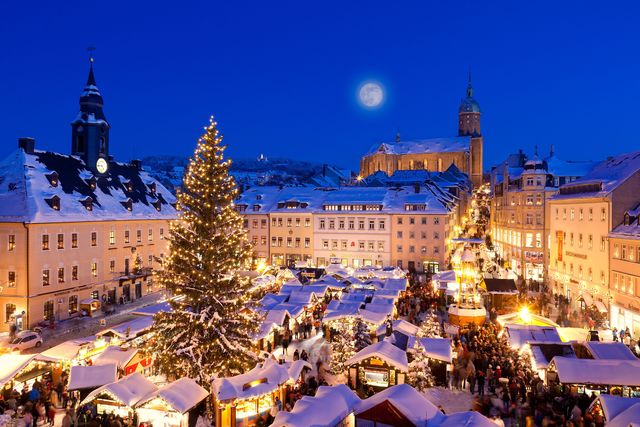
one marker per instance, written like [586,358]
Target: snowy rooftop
[90,377]
[383,350]
[612,406]
[329,406]
[559,167]
[11,364]
[129,329]
[605,177]
[437,348]
[423,146]
[592,371]
[181,395]
[127,391]
[29,184]
[519,335]
[609,350]
[543,353]
[113,354]
[630,230]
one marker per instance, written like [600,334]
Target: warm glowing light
[525,314]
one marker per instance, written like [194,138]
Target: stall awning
[587,298]
[34,373]
[600,306]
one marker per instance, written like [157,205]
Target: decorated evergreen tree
[419,375]
[430,327]
[361,335]
[207,334]
[342,345]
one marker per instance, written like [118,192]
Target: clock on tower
[101,165]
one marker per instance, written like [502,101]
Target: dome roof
[469,105]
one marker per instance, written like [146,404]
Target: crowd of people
[37,405]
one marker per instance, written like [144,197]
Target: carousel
[468,308]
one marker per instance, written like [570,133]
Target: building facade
[581,216]
[464,151]
[77,227]
[521,189]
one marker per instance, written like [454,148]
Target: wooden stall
[377,366]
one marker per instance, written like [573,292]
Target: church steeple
[469,113]
[90,129]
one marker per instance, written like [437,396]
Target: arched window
[103,147]
[80,144]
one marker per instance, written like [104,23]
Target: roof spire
[398,135]
[536,150]
[91,80]
[469,86]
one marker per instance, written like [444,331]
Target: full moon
[371,94]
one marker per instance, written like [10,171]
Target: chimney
[28,145]
[137,164]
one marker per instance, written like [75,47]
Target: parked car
[25,340]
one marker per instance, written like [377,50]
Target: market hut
[541,354]
[440,354]
[127,331]
[501,294]
[18,370]
[603,350]
[615,377]
[525,318]
[122,357]
[119,397]
[172,405]
[519,335]
[90,307]
[85,379]
[614,410]
[331,406]
[379,366]
[243,399]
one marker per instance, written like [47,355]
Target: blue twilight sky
[281,77]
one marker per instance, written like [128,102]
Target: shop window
[73,304]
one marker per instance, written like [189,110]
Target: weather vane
[91,49]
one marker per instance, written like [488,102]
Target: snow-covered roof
[373,317]
[330,405]
[127,391]
[399,284]
[152,310]
[605,177]
[277,316]
[67,350]
[89,377]
[612,406]
[519,335]
[543,353]
[295,368]
[26,191]
[264,378]
[399,325]
[383,350]
[437,348]
[568,168]
[114,354]
[594,371]
[630,417]
[129,329]
[411,403]
[181,395]
[609,350]
[11,364]
[423,146]
[465,419]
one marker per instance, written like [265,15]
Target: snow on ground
[451,400]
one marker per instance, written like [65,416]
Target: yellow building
[465,151]
[624,273]
[77,227]
[581,217]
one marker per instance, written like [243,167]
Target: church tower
[90,129]
[469,125]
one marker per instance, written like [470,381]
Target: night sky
[282,77]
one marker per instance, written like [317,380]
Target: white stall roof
[385,351]
[89,377]
[411,403]
[114,354]
[11,364]
[602,372]
[264,378]
[181,395]
[397,284]
[129,329]
[128,391]
[542,353]
[612,406]
[373,317]
[66,351]
[295,368]
[437,348]
[465,419]
[277,316]
[330,405]
[400,326]
[519,335]
[609,350]
[630,417]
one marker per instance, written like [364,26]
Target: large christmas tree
[207,334]
[342,344]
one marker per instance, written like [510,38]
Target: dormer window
[54,202]
[53,178]
[91,182]
[87,202]
[128,204]
[128,186]
[157,204]
[256,208]
[152,187]
[304,205]
[627,219]
[258,196]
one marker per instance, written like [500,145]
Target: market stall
[501,294]
[440,354]
[119,397]
[379,366]
[90,307]
[171,405]
[18,371]
[615,377]
[519,335]
[614,410]
[241,400]
[85,379]
[542,353]
[122,357]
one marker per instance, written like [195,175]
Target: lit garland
[207,334]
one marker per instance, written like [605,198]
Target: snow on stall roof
[301,296]
[411,403]
[25,191]
[465,419]
[295,368]
[277,316]
[397,284]
[67,350]
[399,325]
[386,309]
[114,354]
[519,335]
[612,406]
[597,371]
[385,351]
[152,310]
[262,379]
[181,395]
[437,348]
[610,173]
[89,377]
[609,350]
[329,407]
[11,364]
[630,417]
[373,317]
[129,329]
[542,353]
[423,146]
[128,390]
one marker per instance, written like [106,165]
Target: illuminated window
[45,242]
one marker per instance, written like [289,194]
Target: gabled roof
[423,146]
[181,395]
[113,354]
[90,377]
[501,286]
[609,350]
[594,371]
[127,391]
[385,351]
